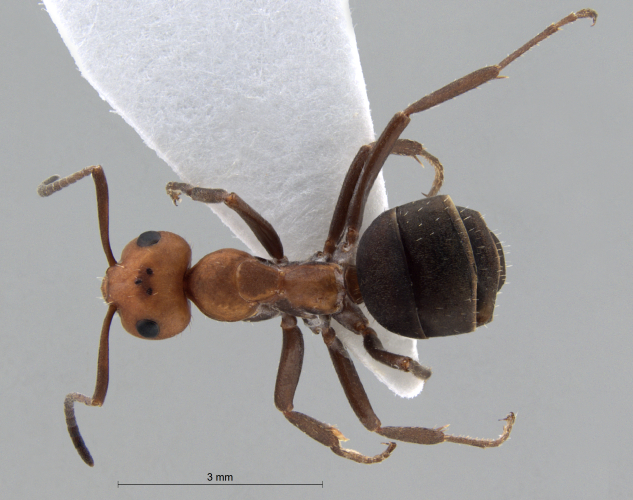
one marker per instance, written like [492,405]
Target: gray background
[546,155]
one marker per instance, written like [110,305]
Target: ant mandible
[388,269]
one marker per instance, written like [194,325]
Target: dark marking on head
[148,238]
[147,328]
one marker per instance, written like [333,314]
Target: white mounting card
[263,98]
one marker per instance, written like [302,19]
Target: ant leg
[352,318]
[262,229]
[287,379]
[406,147]
[337,224]
[99,395]
[55,183]
[359,402]
[399,122]
[402,147]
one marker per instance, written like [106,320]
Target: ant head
[147,285]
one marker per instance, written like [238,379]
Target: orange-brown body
[153,282]
[231,285]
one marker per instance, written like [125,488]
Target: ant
[424,269]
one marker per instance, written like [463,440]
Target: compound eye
[148,238]
[147,328]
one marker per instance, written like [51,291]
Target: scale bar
[219,484]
